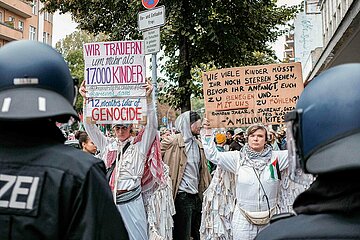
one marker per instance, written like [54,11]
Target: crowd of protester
[183,146]
[190,182]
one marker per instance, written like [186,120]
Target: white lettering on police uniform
[6,105]
[42,104]
[14,184]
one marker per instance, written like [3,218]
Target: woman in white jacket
[257,170]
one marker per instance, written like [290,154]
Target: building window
[10,22]
[34,7]
[48,38]
[32,33]
[1,17]
[48,17]
[21,25]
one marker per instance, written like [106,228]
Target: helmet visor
[293,141]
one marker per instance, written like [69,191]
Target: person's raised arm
[224,160]
[92,130]
[152,123]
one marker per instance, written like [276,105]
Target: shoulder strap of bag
[265,195]
[111,168]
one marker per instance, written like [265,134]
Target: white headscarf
[182,124]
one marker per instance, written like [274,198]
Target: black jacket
[52,191]
[235,146]
[316,226]
[329,209]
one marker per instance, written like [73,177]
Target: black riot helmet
[323,132]
[35,83]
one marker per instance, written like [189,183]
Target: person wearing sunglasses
[125,159]
[323,139]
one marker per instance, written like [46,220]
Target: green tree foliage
[71,48]
[225,33]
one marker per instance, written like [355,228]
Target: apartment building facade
[289,48]
[340,34]
[308,36]
[21,19]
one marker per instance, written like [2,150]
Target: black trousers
[187,219]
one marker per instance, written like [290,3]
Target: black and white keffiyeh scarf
[257,160]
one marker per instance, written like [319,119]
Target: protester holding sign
[258,173]
[47,190]
[323,137]
[129,159]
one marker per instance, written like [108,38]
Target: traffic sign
[152,40]
[151,18]
[149,4]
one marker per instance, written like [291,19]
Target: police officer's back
[323,137]
[47,190]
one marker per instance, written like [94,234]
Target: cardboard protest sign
[112,110]
[115,73]
[115,91]
[237,97]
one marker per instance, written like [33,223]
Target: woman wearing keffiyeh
[137,168]
[245,189]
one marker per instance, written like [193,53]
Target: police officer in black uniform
[47,190]
[323,135]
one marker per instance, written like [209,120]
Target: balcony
[9,33]
[18,7]
[289,38]
[289,55]
[289,45]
